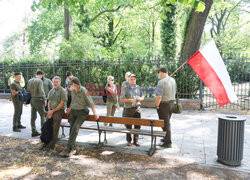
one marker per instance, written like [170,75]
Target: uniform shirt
[55,96]
[81,99]
[35,87]
[166,88]
[47,85]
[15,86]
[112,98]
[129,92]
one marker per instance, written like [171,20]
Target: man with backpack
[57,99]
[15,87]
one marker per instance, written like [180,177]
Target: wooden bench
[122,120]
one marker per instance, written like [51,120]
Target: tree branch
[100,13]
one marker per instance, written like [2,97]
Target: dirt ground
[22,159]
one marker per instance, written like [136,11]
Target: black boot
[21,126]
[15,129]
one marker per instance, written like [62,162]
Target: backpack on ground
[47,131]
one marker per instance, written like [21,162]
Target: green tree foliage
[45,28]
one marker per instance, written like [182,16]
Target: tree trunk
[194,30]
[67,23]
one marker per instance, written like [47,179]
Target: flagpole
[178,69]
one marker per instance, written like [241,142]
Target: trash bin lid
[230,117]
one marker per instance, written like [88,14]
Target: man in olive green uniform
[165,98]
[57,98]
[38,100]
[132,96]
[78,113]
[67,86]
[18,104]
[47,85]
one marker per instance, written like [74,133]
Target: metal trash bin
[230,141]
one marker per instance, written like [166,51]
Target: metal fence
[95,72]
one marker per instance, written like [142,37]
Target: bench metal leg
[153,146]
[105,138]
[100,143]
[63,135]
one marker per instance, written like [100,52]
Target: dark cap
[132,75]
[75,80]
[39,72]
[164,70]
[17,73]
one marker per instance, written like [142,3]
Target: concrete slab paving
[194,135]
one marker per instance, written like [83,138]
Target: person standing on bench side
[78,112]
[57,98]
[132,96]
[38,101]
[67,86]
[165,97]
[112,102]
[15,86]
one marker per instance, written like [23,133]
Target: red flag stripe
[209,77]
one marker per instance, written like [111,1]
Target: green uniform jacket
[35,87]
[166,88]
[15,86]
[81,99]
[55,96]
[47,85]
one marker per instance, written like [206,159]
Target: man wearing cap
[38,100]
[78,112]
[47,85]
[18,104]
[165,98]
[67,86]
[132,96]
[57,98]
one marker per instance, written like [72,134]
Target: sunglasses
[111,79]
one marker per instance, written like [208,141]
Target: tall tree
[168,32]
[67,22]
[194,30]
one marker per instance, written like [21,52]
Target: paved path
[194,135]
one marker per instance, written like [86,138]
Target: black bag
[47,131]
[24,96]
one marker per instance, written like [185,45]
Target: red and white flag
[209,66]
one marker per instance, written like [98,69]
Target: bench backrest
[125,120]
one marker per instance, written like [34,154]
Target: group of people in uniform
[50,96]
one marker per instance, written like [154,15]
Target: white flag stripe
[212,55]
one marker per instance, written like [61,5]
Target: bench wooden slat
[120,130]
[124,120]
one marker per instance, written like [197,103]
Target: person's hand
[45,103]
[50,113]
[68,89]
[68,111]
[96,116]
